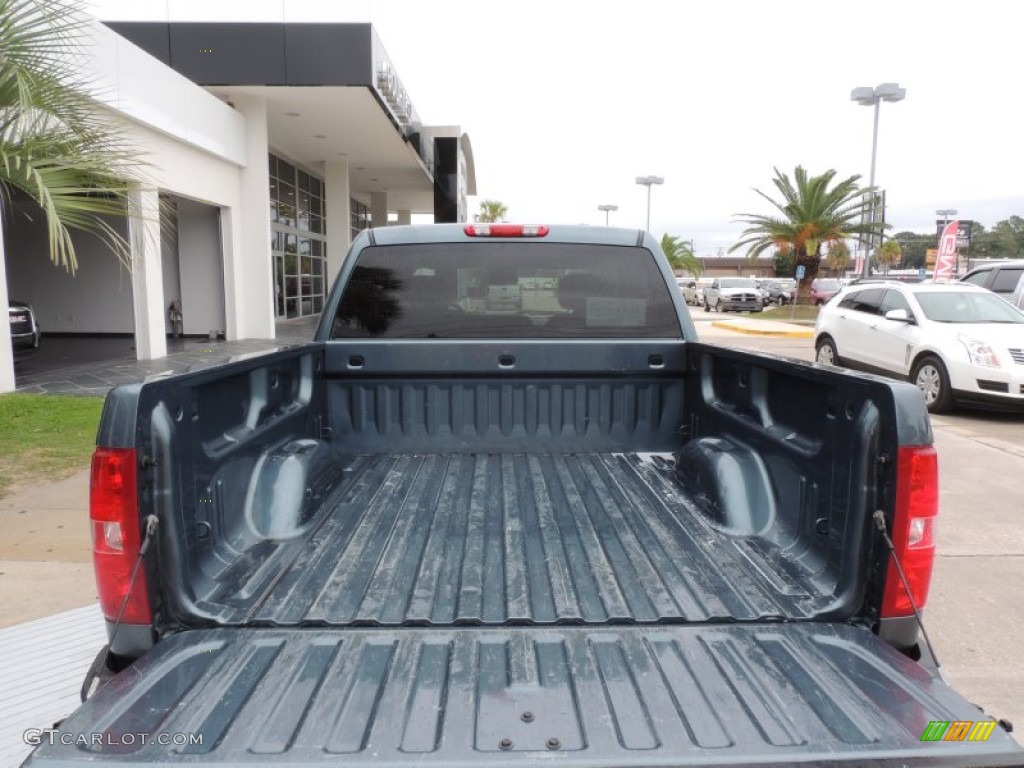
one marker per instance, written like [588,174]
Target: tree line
[1004,240]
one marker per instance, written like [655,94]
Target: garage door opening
[83,317]
[193,269]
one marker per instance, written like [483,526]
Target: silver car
[25,334]
[733,294]
[693,289]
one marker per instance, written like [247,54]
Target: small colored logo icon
[958,730]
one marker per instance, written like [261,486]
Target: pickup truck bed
[485,540]
[517,538]
[806,693]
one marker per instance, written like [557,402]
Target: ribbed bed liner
[520,539]
[796,693]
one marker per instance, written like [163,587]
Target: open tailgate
[577,696]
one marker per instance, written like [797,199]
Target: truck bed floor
[519,539]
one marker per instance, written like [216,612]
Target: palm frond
[56,146]
[815,210]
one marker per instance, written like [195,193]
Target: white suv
[958,343]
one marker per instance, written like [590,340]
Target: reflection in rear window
[500,289]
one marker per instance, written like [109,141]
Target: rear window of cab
[506,289]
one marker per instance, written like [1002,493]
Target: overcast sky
[567,102]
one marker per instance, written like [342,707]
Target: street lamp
[945,213]
[648,181]
[873,97]
[607,209]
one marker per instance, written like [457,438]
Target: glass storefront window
[279,284]
[297,244]
[303,210]
[286,207]
[359,217]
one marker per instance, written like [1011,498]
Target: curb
[730,325]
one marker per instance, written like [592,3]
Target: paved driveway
[90,365]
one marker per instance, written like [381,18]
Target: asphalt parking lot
[975,615]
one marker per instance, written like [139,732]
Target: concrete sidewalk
[45,662]
[753,327]
[96,378]
[46,551]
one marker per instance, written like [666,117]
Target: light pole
[607,209]
[945,213]
[649,181]
[873,97]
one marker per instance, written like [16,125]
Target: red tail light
[505,230]
[913,529]
[114,516]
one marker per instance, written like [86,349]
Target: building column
[147,275]
[6,350]
[338,213]
[405,217]
[248,266]
[378,209]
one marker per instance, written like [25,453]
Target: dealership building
[269,146]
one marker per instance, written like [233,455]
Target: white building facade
[269,145]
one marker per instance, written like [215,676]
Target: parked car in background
[779,291]
[762,290]
[693,289]
[1000,277]
[688,287]
[703,283]
[25,333]
[959,343]
[735,294]
[822,289]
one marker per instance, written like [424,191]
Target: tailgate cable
[99,664]
[879,518]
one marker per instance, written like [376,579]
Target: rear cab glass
[505,289]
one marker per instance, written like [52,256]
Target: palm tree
[58,154]
[813,212]
[837,257]
[491,211]
[680,256]
[888,254]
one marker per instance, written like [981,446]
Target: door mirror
[899,315]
